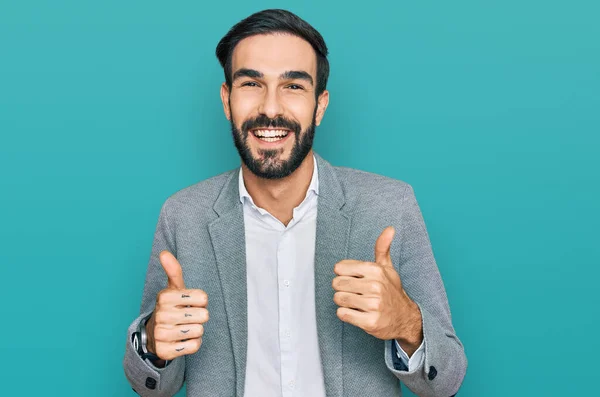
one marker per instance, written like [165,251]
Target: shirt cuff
[415,360]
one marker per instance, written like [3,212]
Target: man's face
[272,105]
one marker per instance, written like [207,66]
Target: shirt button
[286,283]
[288,333]
[292,384]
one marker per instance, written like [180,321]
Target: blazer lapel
[229,243]
[333,229]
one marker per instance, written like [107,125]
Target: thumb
[173,270]
[382,246]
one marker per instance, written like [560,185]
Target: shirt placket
[285,265]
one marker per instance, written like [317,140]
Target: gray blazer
[203,226]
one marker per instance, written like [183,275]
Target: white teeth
[270,139]
[270,133]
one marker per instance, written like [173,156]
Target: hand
[371,297]
[175,327]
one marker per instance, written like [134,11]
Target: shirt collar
[313,187]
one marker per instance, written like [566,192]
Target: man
[291,257]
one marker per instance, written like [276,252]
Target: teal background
[489,109]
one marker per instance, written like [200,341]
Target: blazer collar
[329,188]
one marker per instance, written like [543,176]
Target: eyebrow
[287,75]
[254,74]
[296,74]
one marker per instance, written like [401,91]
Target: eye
[249,84]
[295,87]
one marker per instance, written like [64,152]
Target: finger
[362,320]
[350,267]
[382,246]
[165,333]
[192,315]
[172,269]
[169,351]
[182,298]
[354,301]
[185,315]
[362,286]
[359,269]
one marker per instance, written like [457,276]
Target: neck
[280,196]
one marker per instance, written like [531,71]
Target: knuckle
[161,351]
[166,317]
[375,304]
[375,287]
[160,317]
[164,297]
[200,330]
[159,334]
[161,297]
[371,325]
[377,270]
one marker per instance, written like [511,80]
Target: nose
[271,105]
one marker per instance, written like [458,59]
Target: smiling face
[272,104]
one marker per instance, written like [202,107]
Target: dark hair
[274,21]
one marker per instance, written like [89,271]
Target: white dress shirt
[283,348]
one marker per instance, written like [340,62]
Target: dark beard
[269,167]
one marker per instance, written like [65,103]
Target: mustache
[262,121]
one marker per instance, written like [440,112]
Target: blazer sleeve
[144,377]
[444,363]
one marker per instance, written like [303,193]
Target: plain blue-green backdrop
[490,109]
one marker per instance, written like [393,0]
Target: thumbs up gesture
[370,296]
[176,325]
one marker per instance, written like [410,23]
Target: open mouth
[270,135]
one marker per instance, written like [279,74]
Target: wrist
[411,336]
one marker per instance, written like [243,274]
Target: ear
[323,101]
[225,100]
